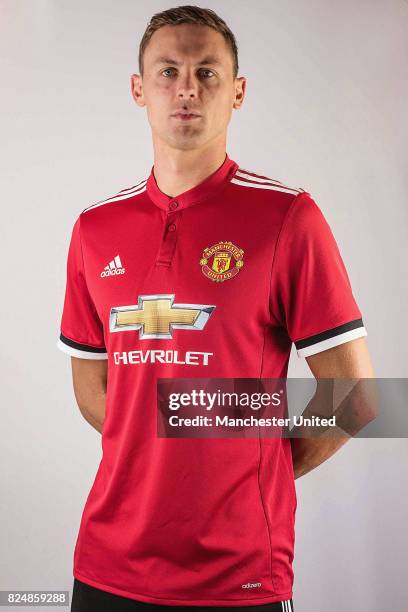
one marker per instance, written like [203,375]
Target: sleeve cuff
[83,351]
[330,338]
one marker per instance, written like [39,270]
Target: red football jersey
[197,521]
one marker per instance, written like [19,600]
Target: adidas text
[112,272]
[251,585]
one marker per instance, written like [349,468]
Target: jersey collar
[196,194]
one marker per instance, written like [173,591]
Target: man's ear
[136,88]
[240,86]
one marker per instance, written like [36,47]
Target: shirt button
[171,227]
[173,205]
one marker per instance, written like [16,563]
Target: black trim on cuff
[82,347]
[330,333]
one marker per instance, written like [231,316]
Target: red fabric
[310,290]
[80,321]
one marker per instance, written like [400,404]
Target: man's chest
[155,273]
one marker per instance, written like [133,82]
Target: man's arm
[348,360]
[89,378]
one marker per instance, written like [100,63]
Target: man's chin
[185,141]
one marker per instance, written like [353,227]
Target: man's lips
[186,116]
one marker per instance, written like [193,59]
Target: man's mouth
[186,116]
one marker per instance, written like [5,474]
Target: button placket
[169,237]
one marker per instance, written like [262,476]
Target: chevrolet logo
[155,316]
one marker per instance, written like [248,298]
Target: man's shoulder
[115,199]
[261,183]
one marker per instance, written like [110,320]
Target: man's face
[188,68]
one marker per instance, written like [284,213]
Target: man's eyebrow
[206,61]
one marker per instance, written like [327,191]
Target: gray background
[327,85]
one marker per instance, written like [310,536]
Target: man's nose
[187,86]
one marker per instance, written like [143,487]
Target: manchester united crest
[222,261]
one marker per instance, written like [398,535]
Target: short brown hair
[189,14]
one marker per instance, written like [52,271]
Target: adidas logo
[113,268]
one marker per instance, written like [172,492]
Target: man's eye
[167,70]
[207,71]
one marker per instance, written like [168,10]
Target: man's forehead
[203,45]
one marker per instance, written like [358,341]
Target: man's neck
[177,171]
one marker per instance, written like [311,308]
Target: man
[201,269]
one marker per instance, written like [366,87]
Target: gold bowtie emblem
[155,316]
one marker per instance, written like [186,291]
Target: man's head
[188,63]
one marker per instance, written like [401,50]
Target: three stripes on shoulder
[129,192]
[257,181]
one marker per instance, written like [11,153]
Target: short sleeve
[81,330]
[311,295]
